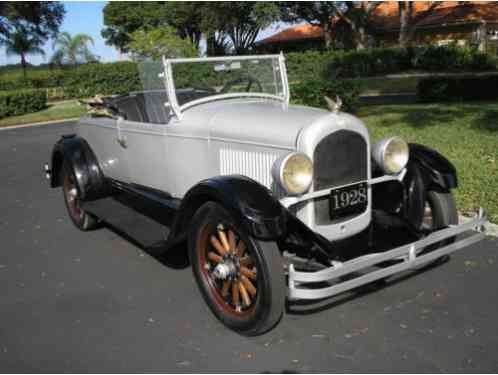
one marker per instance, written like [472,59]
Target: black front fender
[437,171]
[259,212]
[76,154]
[426,170]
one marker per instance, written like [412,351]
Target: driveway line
[10,127]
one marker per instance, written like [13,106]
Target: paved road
[93,302]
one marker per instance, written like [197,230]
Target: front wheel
[80,218]
[240,278]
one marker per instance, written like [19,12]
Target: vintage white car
[272,200]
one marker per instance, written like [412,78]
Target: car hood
[262,122]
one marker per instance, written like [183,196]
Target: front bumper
[363,270]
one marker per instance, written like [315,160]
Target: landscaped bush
[379,61]
[103,79]
[435,89]
[82,81]
[312,92]
[121,77]
[20,102]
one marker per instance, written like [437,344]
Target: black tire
[268,301]
[80,218]
[443,213]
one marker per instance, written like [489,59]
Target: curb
[10,127]
[491,229]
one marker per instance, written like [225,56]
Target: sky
[86,17]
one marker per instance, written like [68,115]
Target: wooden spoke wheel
[240,278]
[80,218]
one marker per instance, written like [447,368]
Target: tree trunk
[23,64]
[361,39]
[210,42]
[327,35]
[404,23]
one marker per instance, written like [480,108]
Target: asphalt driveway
[93,302]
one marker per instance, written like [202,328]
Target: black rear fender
[258,211]
[75,153]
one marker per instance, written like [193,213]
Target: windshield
[194,81]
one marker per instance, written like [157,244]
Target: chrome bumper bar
[407,254]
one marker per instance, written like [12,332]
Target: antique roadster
[270,200]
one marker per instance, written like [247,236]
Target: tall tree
[410,19]
[72,49]
[356,14]
[158,42]
[20,42]
[240,22]
[40,19]
[123,18]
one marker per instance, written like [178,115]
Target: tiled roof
[294,33]
[386,17]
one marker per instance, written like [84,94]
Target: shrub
[312,93]
[104,79]
[13,103]
[82,81]
[378,61]
[433,89]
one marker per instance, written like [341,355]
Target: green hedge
[379,61]
[311,93]
[83,81]
[21,102]
[437,89]
[121,77]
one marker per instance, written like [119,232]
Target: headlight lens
[391,154]
[294,172]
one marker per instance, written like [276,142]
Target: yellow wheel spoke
[223,238]
[226,287]
[235,293]
[215,258]
[246,261]
[241,248]
[248,285]
[216,244]
[248,273]
[231,241]
[244,295]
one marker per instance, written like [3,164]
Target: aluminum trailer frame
[408,255]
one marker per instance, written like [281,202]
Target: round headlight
[391,154]
[294,173]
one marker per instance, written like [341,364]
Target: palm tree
[20,42]
[72,50]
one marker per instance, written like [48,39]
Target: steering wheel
[249,78]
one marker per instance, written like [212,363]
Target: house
[462,22]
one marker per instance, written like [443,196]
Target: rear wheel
[80,218]
[240,278]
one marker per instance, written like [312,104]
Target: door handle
[122,142]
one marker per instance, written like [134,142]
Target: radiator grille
[255,165]
[339,159]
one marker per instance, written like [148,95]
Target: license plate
[348,200]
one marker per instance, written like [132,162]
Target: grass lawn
[383,85]
[465,133]
[55,111]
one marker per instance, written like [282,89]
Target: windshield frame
[179,109]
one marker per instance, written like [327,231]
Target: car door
[144,150]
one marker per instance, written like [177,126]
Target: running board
[407,255]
